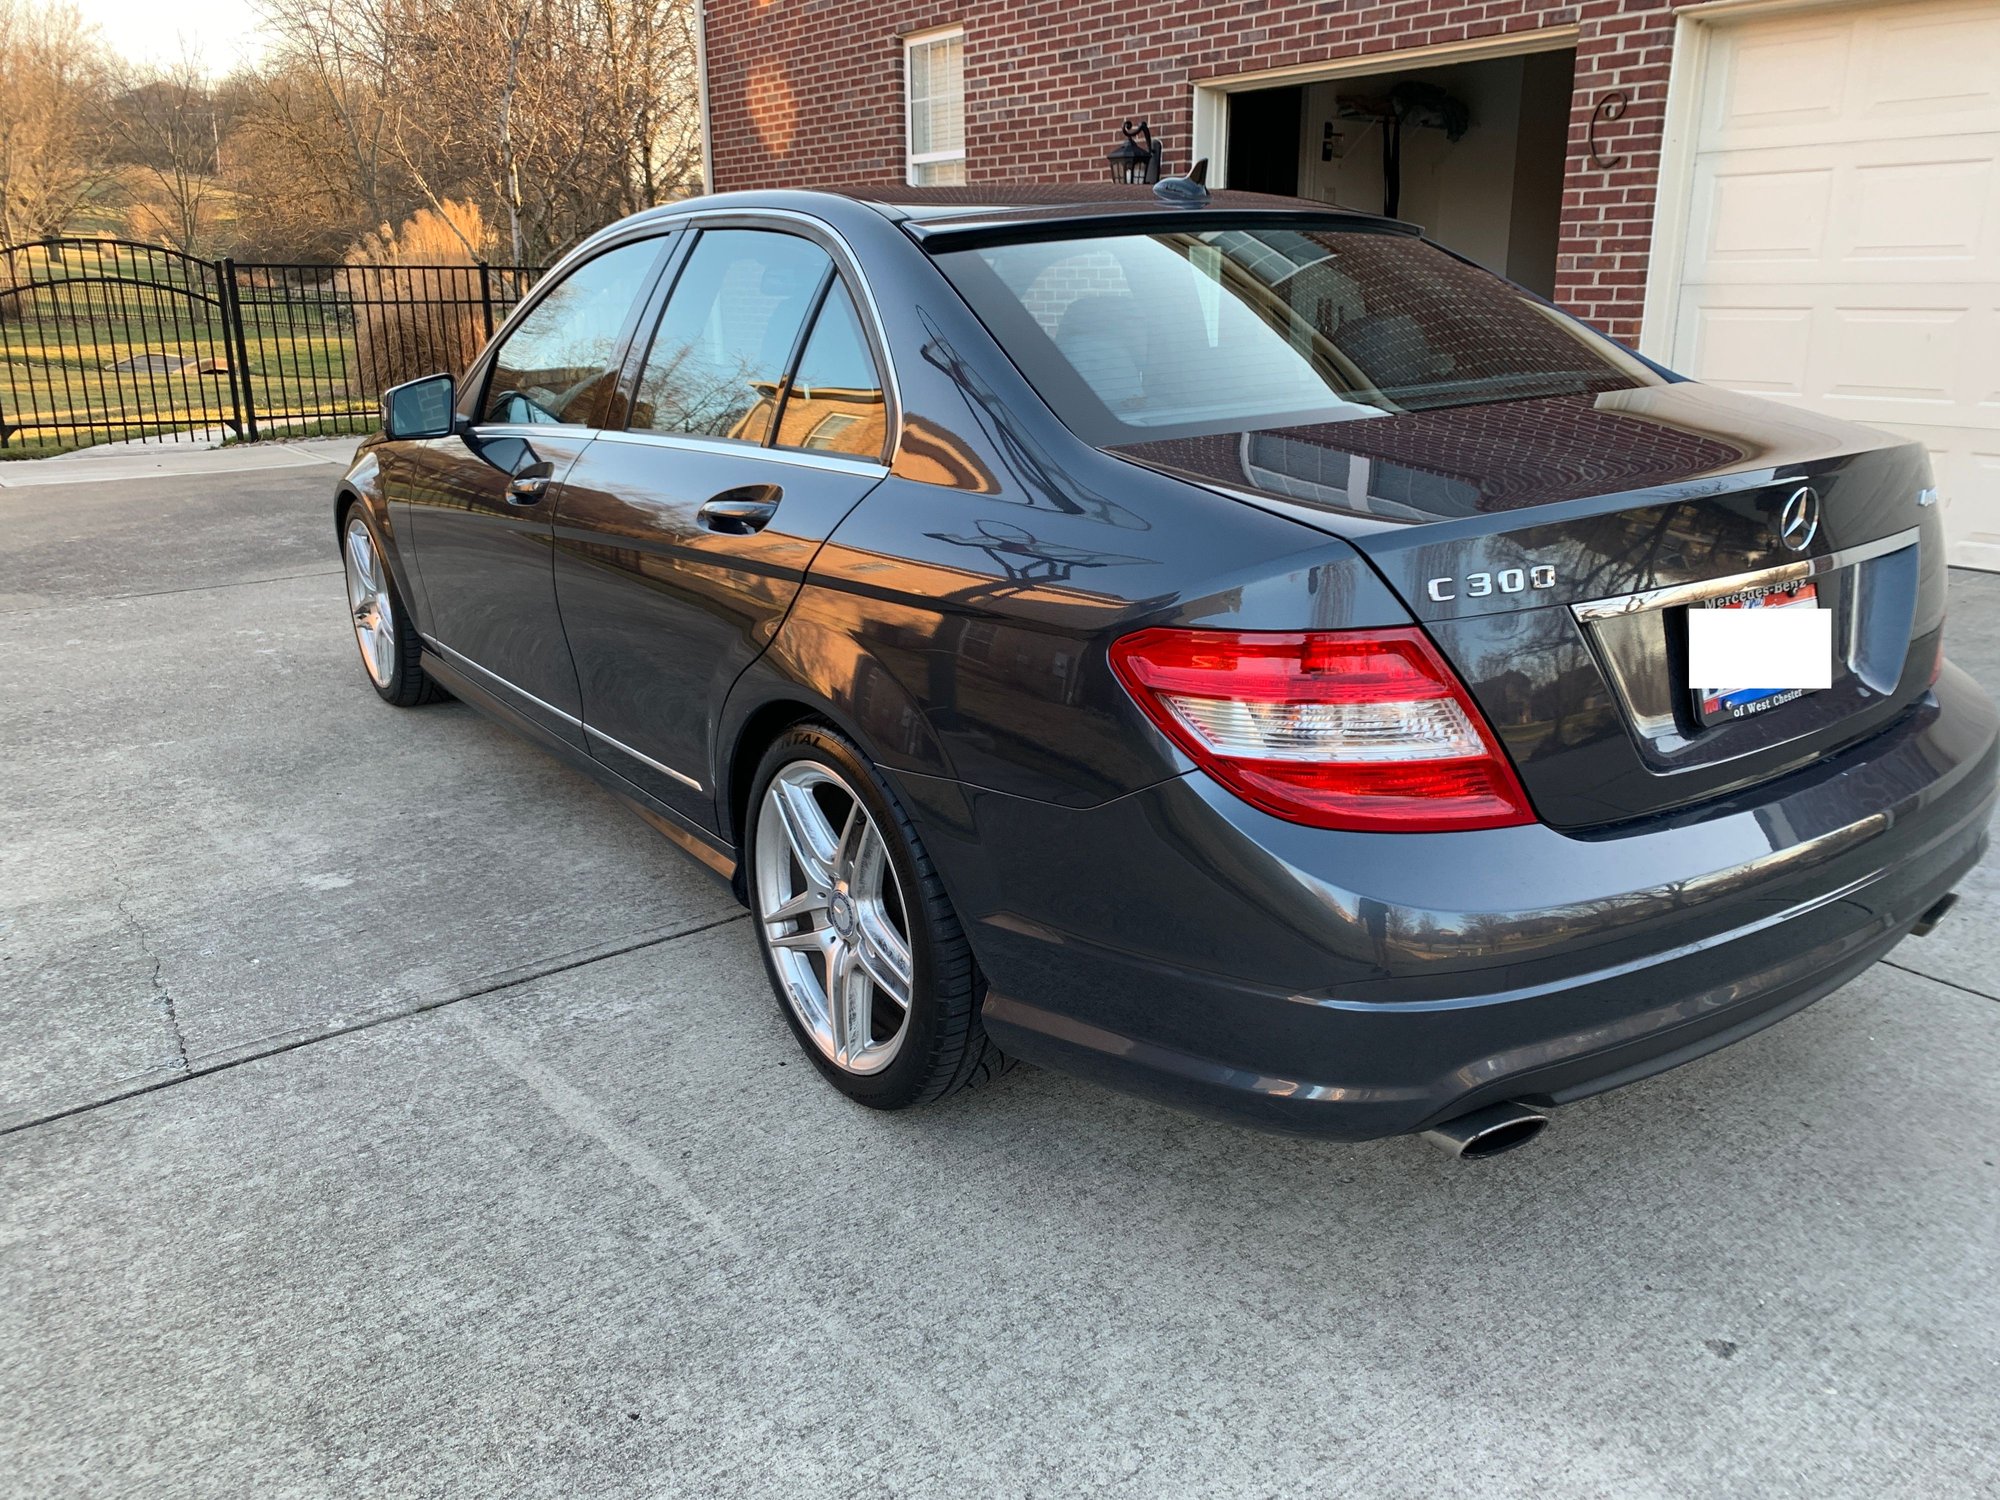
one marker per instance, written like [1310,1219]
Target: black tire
[401,680]
[944,1048]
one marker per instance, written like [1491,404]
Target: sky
[222,33]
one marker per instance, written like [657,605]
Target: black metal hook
[1610,107]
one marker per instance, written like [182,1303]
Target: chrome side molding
[466,664]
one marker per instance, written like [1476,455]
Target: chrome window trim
[459,659]
[480,369]
[752,218]
[532,429]
[1715,588]
[804,458]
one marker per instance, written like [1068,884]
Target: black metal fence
[107,340]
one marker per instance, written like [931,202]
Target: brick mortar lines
[807,91]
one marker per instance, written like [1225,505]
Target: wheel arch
[361,486]
[759,731]
[862,702]
[813,671]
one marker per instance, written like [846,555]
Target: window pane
[835,403]
[557,365]
[938,174]
[728,334]
[937,96]
[1132,336]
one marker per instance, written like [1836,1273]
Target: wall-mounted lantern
[1136,159]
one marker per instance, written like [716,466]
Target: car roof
[957,217]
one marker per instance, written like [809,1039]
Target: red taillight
[1358,729]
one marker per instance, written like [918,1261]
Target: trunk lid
[1552,548]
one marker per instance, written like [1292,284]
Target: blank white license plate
[1750,652]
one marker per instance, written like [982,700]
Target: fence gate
[106,339]
[103,340]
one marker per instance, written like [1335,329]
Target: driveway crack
[1950,984]
[162,996]
[295,1044]
[53,606]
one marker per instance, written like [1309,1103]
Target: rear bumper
[1177,943]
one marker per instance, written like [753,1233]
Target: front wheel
[861,943]
[390,651]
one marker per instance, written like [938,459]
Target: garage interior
[1471,151]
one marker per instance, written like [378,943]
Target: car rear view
[1552,825]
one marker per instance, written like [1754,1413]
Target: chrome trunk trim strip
[1715,588]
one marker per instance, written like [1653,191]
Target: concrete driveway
[393,1114]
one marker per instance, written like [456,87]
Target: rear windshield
[1131,337]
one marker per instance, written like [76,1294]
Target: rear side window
[559,364]
[718,360]
[1139,336]
[834,404]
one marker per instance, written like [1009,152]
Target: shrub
[416,296]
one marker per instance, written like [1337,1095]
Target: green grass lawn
[73,358]
[70,392]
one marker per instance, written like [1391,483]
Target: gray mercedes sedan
[1222,646]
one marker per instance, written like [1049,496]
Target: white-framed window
[934,95]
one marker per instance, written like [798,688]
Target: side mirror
[418,408]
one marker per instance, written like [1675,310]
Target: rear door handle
[742,511]
[529,485]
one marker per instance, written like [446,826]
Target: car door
[480,502]
[682,539]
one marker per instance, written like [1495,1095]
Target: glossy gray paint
[952,613]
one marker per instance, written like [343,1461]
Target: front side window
[718,361]
[835,400]
[934,89]
[1138,336]
[559,364]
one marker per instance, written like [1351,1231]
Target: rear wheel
[861,943]
[390,651]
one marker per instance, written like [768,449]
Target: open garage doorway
[1473,151]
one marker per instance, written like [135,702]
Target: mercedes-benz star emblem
[1798,522]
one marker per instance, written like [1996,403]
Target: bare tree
[292,179]
[554,115]
[333,71]
[166,124]
[53,80]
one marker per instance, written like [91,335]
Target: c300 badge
[1480,585]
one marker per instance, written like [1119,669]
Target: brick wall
[810,93]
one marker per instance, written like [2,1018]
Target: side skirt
[714,855]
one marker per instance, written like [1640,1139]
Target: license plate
[1752,646]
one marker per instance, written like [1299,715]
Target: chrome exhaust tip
[1488,1132]
[1927,923]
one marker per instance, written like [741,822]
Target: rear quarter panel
[959,616]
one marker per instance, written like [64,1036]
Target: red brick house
[1795,197]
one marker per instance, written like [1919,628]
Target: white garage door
[1843,230]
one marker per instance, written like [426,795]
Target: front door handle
[531,483]
[743,511]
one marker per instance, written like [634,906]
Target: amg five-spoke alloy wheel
[388,641]
[833,914]
[861,942]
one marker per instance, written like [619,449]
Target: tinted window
[558,365]
[835,401]
[1135,336]
[726,338]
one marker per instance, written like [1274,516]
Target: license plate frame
[1732,705]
